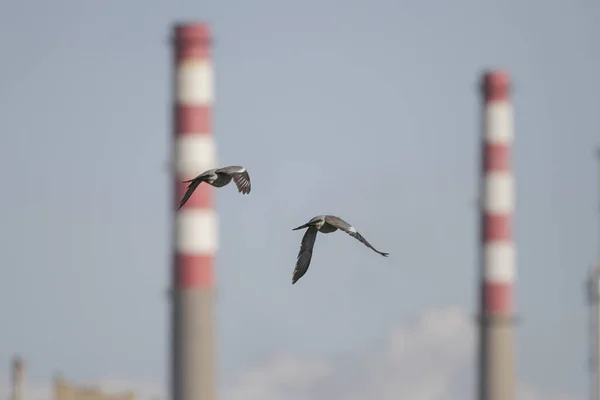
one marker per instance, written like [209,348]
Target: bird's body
[219,177]
[323,224]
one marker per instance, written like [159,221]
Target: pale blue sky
[371,108]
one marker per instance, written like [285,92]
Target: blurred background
[366,110]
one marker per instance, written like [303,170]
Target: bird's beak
[301,226]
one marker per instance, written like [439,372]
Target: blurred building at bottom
[62,390]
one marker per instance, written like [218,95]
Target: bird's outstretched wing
[190,189]
[305,253]
[240,177]
[350,230]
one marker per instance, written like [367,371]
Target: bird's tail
[302,226]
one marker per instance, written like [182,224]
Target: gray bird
[219,177]
[323,224]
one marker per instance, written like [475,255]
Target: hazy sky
[371,108]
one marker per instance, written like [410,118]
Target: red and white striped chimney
[496,351]
[196,223]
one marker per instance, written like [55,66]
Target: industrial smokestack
[18,379]
[196,224]
[497,250]
[593,297]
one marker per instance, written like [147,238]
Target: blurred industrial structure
[62,389]
[196,224]
[18,379]
[593,298]
[497,250]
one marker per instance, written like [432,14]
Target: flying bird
[219,177]
[323,224]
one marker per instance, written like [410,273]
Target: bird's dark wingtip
[385,254]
